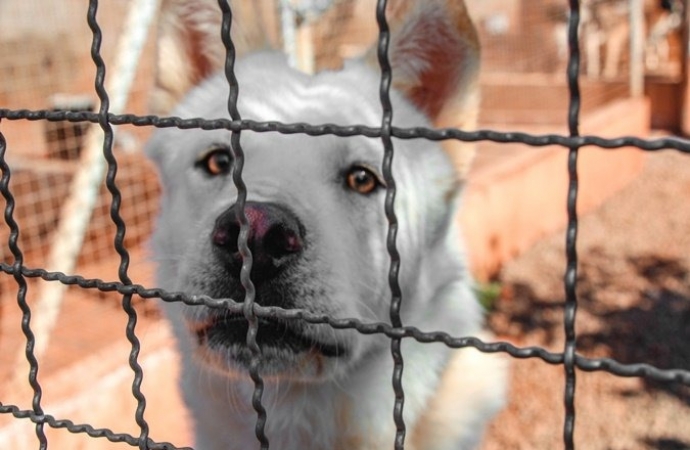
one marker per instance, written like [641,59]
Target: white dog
[317,232]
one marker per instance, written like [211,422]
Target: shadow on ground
[633,310]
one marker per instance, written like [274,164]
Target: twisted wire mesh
[395,330]
[570,276]
[242,238]
[389,206]
[432,134]
[118,244]
[21,293]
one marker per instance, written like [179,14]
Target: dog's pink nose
[276,236]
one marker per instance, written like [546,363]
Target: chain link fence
[128,226]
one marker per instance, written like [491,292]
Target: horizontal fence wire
[87,429]
[364,327]
[395,330]
[368,328]
[432,134]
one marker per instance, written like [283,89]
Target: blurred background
[634,283]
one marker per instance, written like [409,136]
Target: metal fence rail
[395,330]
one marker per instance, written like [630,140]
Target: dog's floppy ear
[434,53]
[189,46]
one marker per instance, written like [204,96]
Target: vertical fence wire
[105,120]
[116,198]
[393,282]
[242,239]
[21,294]
[570,276]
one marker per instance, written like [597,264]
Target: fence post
[637,48]
[685,69]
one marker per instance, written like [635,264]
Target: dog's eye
[217,161]
[362,180]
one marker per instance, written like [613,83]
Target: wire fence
[128,291]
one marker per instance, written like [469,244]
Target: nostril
[281,241]
[226,237]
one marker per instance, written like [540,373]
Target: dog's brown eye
[362,180]
[217,162]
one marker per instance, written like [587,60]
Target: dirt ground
[634,306]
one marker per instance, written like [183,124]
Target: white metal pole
[288,24]
[77,209]
[637,47]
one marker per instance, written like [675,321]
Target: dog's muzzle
[276,239]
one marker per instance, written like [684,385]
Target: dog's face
[315,212]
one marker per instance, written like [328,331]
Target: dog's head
[315,205]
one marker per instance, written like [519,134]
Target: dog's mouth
[277,339]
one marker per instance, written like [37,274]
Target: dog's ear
[189,46]
[434,53]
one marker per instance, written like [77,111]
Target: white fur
[313,401]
